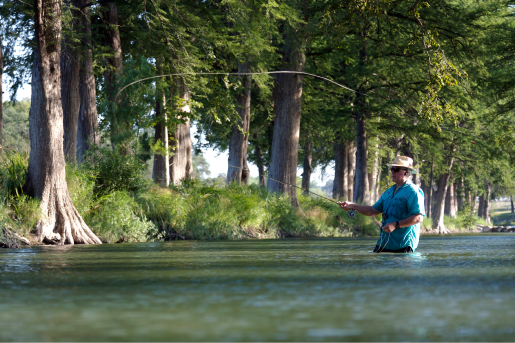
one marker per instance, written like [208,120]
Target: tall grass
[198,211]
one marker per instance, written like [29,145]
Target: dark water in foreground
[452,288]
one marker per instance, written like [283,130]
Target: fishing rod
[350,214]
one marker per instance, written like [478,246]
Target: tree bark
[60,221]
[287,109]
[361,190]
[306,165]
[87,131]
[70,69]
[114,70]
[351,159]
[181,162]
[341,169]
[481,207]
[1,93]
[449,202]
[512,207]
[239,141]
[486,210]
[443,182]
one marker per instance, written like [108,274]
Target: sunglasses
[397,169]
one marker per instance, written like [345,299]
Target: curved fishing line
[381,241]
[242,74]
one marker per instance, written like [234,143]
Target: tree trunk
[239,141]
[307,169]
[60,221]
[351,159]
[481,207]
[158,168]
[468,198]
[361,190]
[341,169]
[114,70]
[161,170]
[372,178]
[87,131]
[449,202]
[70,68]
[259,161]
[287,109]
[438,215]
[1,93]
[430,195]
[378,180]
[181,162]
[488,192]
[460,190]
[474,197]
[455,204]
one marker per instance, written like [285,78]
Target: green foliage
[16,125]
[115,171]
[464,221]
[13,173]
[17,210]
[196,210]
[117,214]
[81,186]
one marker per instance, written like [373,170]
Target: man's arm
[412,220]
[365,210]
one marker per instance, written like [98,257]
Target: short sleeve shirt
[407,201]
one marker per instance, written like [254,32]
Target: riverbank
[120,204]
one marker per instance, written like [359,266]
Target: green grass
[500,214]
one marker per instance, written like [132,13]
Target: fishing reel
[351,214]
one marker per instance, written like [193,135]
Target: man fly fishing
[402,206]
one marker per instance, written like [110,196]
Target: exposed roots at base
[64,225]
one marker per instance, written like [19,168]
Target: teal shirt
[407,201]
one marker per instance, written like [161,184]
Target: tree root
[13,240]
[64,225]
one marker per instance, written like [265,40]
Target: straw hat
[403,162]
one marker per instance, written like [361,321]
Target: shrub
[116,215]
[196,210]
[81,185]
[115,171]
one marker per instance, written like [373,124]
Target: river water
[454,288]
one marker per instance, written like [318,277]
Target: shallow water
[454,288]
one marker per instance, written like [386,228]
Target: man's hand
[346,205]
[389,227]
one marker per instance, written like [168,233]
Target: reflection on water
[452,288]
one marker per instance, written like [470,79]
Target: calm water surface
[454,288]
